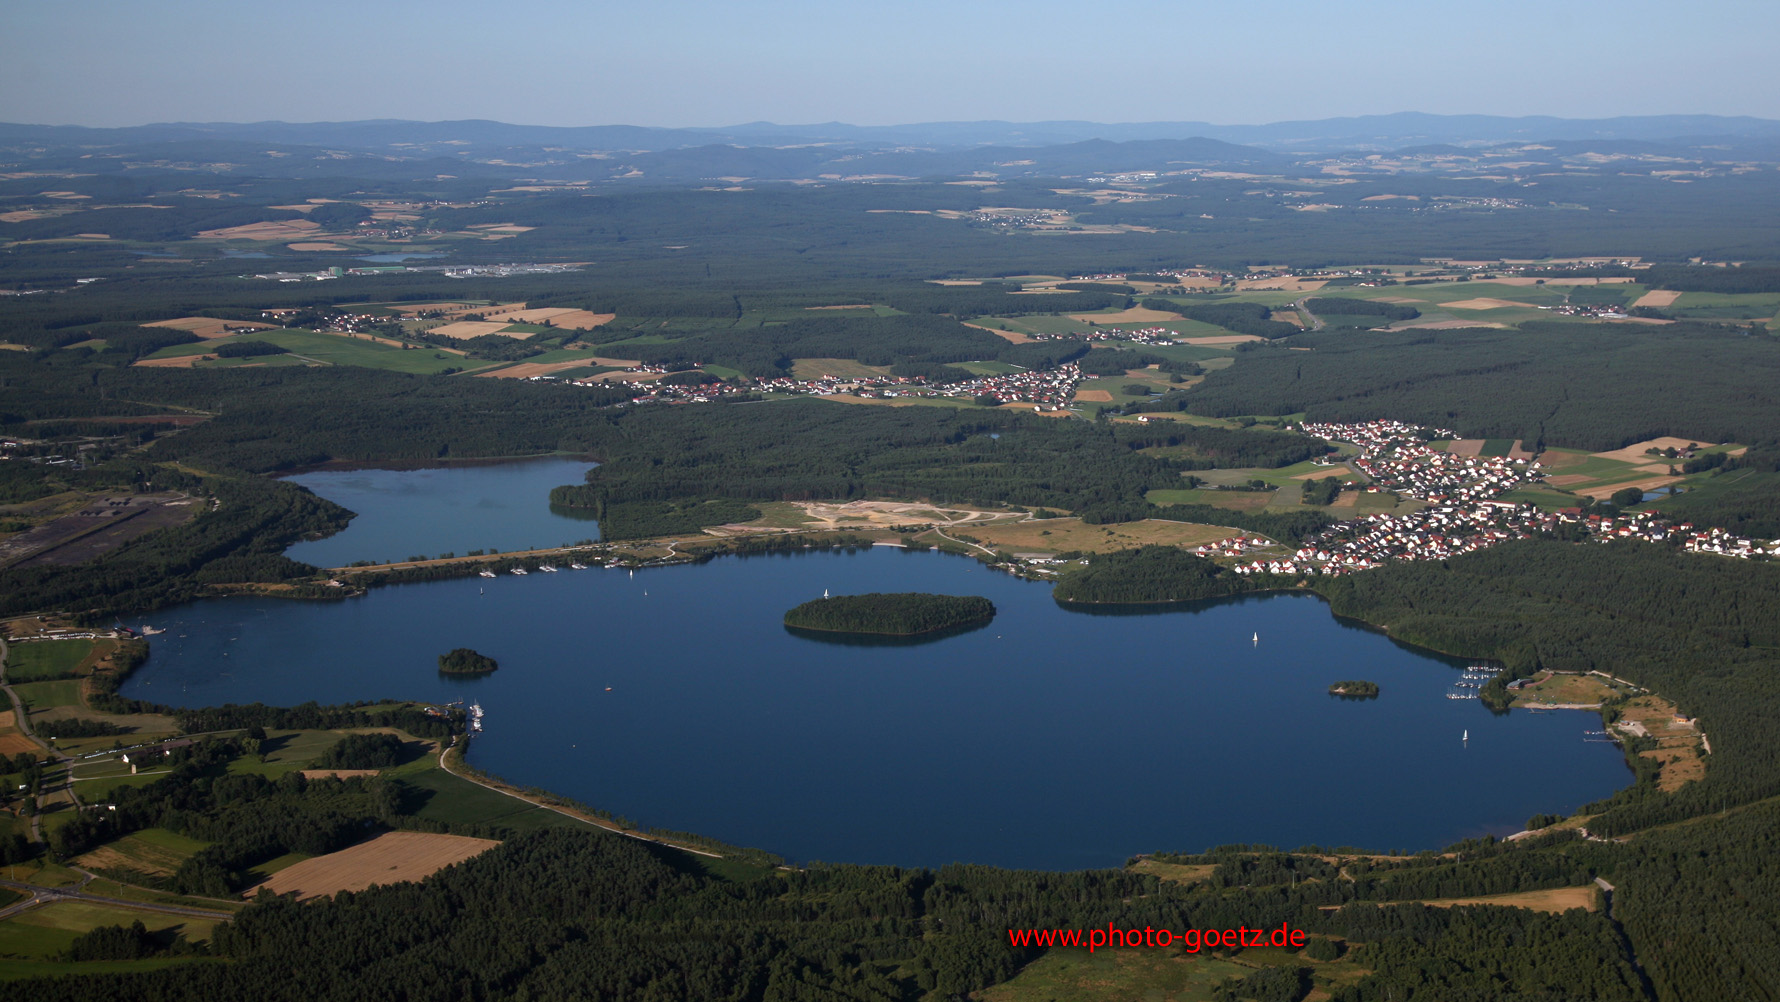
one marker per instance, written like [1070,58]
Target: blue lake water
[504,506]
[1050,738]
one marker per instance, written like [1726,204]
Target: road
[49,895]
[1316,322]
[606,826]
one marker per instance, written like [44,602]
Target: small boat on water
[1257,639]
[546,568]
[149,631]
[521,571]
[577,567]
[486,574]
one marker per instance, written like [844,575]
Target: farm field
[45,659]
[327,349]
[153,852]
[389,858]
[1231,500]
[838,368]
[1153,975]
[1057,535]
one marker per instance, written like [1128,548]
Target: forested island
[1147,574]
[1354,689]
[900,614]
[463,661]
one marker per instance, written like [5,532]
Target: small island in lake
[463,661]
[900,614]
[1354,689]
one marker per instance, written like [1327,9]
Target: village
[1464,511]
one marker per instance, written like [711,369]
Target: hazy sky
[691,62]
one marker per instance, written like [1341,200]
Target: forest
[1597,387]
[1147,574]
[894,614]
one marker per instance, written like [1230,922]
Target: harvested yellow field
[1517,280]
[1447,325]
[1465,446]
[1093,396]
[465,329]
[182,362]
[526,370]
[1647,484]
[389,858]
[1486,304]
[1658,298]
[1635,453]
[1014,336]
[293,229]
[1215,339]
[1280,285]
[1331,471]
[315,247]
[579,320]
[209,328]
[1135,315]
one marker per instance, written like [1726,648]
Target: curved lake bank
[1051,739]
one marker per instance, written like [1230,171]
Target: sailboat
[1466,738]
[1257,639]
[825,593]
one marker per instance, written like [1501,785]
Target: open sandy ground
[209,327]
[387,859]
[1635,453]
[1554,900]
[1658,298]
[182,362]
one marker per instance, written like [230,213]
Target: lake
[1050,738]
[404,513]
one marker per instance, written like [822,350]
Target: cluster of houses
[1432,533]
[1235,546]
[1464,511]
[1397,456]
[1047,389]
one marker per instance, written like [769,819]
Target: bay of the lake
[473,506]
[1050,738]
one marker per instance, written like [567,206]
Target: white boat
[149,631]
[1257,640]
[475,716]
[486,574]
[520,571]
[825,593]
[546,568]
[1466,737]
[578,566]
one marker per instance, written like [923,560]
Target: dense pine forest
[898,614]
